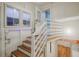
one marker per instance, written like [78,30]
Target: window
[26,19]
[46,15]
[12,16]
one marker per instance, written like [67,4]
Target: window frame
[23,19]
[14,25]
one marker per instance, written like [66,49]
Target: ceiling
[42,3]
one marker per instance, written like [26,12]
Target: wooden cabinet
[64,51]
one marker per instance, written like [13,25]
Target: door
[12,30]
[51,48]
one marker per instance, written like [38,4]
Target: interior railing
[39,41]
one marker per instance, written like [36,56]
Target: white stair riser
[26,44]
[25,52]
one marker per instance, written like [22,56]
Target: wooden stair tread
[29,37]
[36,35]
[26,48]
[27,41]
[18,53]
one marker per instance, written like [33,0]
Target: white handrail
[40,28]
[39,41]
[39,35]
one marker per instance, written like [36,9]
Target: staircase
[23,50]
[33,46]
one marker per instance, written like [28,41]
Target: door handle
[8,41]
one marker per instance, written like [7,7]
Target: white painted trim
[68,19]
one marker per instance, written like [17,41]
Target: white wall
[72,26]
[65,9]
[16,36]
[73,34]
[60,11]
